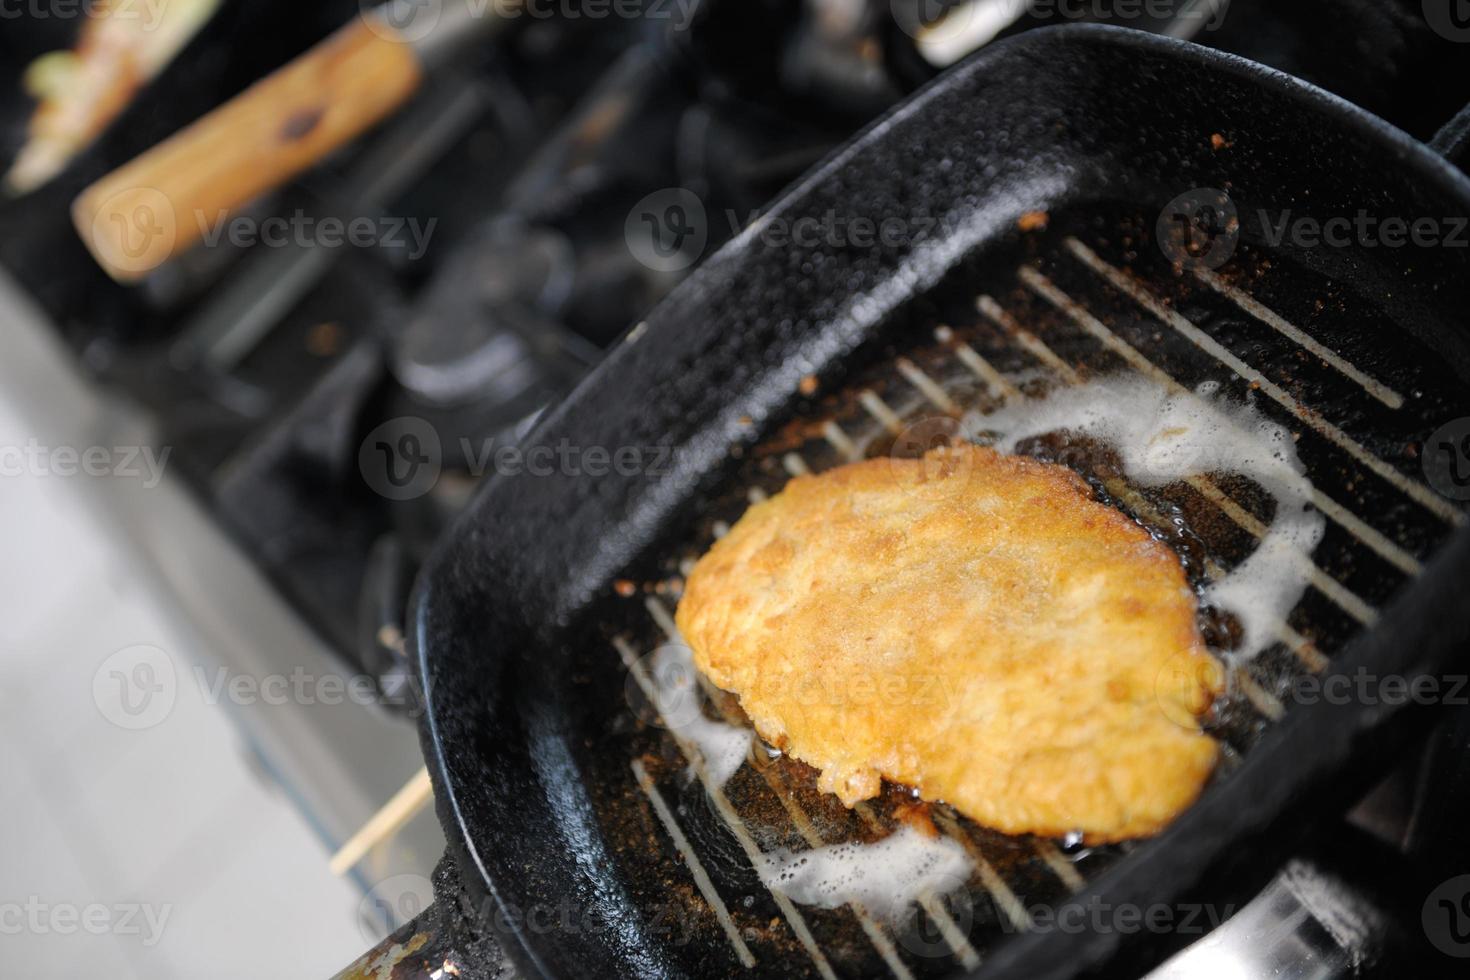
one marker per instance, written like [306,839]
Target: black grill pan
[555,789]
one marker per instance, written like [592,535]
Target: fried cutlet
[972,625]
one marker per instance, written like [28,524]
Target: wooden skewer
[182,190]
[142,214]
[403,807]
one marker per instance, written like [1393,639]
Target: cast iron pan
[528,728]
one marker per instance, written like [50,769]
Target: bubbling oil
[1163,436]
[676,693]
[885,877]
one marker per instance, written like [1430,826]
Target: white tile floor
[152,853]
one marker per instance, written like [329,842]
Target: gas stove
[341,363]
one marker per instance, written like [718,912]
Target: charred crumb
[1033,221]
[919,816]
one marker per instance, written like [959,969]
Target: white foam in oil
[884,877]
[1163,436]
[676,691]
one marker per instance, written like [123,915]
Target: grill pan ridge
[551,786]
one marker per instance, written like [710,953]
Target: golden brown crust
[970,624]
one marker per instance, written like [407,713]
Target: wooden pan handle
[155,207]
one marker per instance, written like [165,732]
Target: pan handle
[453,937]
[420,950]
